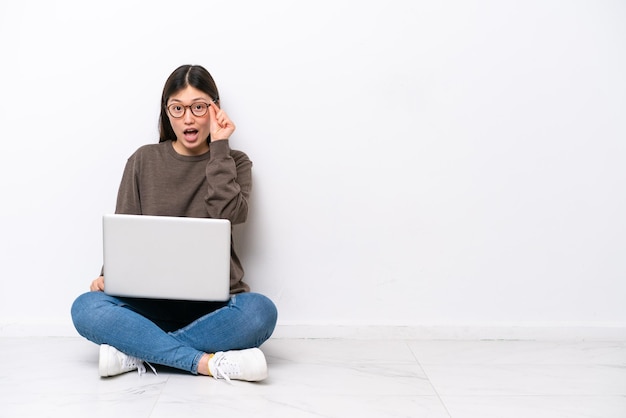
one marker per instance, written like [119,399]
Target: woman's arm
[228,173]
[229,179]
[128,201]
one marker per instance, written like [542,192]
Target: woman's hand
[220,126]
[97,285]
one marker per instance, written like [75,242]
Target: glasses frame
[169,112]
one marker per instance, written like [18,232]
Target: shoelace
[143,369]
[224,368]
[133,362]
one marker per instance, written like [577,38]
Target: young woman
[191,172]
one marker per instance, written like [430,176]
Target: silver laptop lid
[166,257]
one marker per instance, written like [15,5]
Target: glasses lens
[176,110]
[199,109]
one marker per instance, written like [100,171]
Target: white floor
[57,377]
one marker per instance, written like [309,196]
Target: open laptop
[163,257]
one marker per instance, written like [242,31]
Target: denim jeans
[174,333]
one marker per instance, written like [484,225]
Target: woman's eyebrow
[193,100]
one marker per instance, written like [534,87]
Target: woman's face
[191,130]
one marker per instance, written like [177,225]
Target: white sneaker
[247,365]
[114,362]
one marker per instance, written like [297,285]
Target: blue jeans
[174,333]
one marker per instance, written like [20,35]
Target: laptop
[164,257]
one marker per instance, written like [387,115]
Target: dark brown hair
[195,76]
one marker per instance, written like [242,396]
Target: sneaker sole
[104,361]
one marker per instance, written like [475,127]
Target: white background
[415,162]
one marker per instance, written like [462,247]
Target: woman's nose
[188,116]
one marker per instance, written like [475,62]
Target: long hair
[195,76]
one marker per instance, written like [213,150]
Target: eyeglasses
[177,110]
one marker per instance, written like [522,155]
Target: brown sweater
[159,181]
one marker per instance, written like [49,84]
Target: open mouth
[190,134]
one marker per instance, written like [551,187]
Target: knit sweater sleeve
[229,179]
[128,200]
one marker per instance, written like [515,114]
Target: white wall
[416,162]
